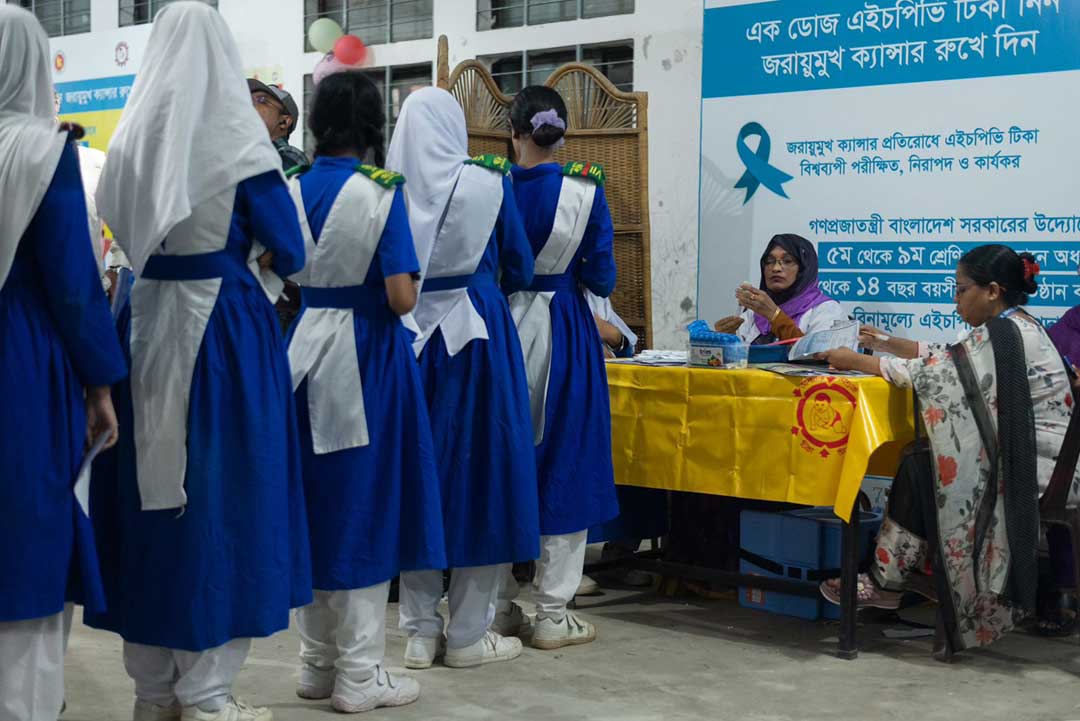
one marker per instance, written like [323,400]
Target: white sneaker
[315,683]
[382,689]
[509,623]
[421,651]
[570,631]
[492,648]
[233,710]
[587,587]
[146,711]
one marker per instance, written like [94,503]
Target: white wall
[667,65]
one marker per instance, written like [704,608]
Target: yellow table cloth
[755,434]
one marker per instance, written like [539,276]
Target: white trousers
[343,634]
[472,595]
[166,676]
[32,669]
[558,575]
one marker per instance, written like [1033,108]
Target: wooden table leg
[849,576]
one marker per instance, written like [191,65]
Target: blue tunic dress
[373,511]
[56,338]
[479,405]
[574,466]
[234,562]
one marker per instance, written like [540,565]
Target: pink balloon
[350,50]
[328,66]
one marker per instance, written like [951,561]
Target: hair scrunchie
[549,117]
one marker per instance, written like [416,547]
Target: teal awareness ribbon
[758,170]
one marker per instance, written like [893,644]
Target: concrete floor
[661,658]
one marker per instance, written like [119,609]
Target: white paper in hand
[82,481]
[843,334]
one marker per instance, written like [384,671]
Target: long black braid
[347,117]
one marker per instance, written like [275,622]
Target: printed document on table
[656,358]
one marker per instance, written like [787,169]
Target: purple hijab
[1066,335]
[804,294]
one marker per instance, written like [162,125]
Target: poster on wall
[895,135]
[95,104]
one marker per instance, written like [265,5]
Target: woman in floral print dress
[988,542]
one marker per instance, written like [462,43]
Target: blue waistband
[452,282]
[201,266]
[551,283]
[348,297]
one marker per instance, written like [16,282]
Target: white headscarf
[188,132]
[30,142]
[429,147]
[91,161]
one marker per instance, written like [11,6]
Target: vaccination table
[759,435]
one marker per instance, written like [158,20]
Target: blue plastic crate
[769,353]
[799,544]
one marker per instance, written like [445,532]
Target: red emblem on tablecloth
[823,415]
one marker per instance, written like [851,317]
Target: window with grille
[59,17]
[374,21]
[140,12]
[514,71]
[496,14]
[394,85]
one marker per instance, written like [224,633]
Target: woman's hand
[756,300]
[608,333]
[881,342]
[730,325]
[266,260]
[100,416]
[842,359]
[873,338]
[845,359]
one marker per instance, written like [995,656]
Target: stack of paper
[657,358]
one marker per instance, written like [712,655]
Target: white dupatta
[30,142]
[532,309]
[187,133]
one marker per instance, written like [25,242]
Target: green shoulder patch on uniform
[385,178]
[297,170]
[493,162]
[592,171]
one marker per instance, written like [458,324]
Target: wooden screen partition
[606,126]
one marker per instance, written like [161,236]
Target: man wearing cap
[278,110]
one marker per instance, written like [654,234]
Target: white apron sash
[323,346]
[459,246]
[168,321]
[532,309]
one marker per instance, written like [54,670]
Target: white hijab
[429,147]
[30,143]
[188,132]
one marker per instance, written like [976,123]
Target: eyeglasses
[787,262]
[265,100]
[961,289]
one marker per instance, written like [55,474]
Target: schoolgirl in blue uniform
[470,239]
[202,532]
[569,226]
[59,355]
[369,467]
